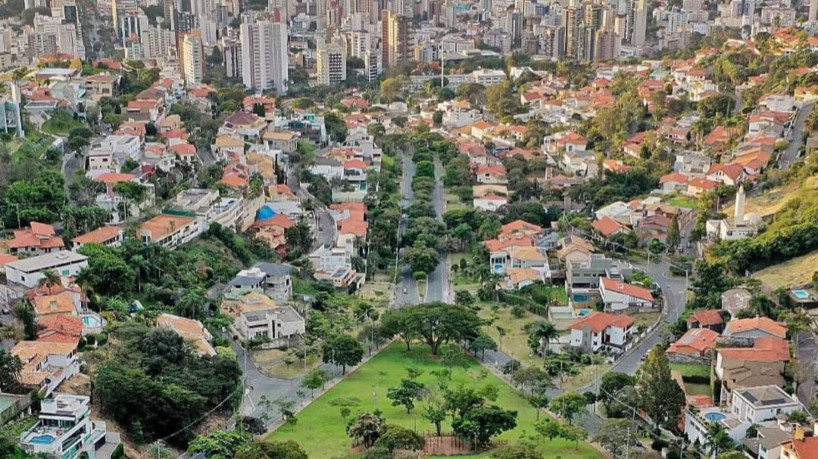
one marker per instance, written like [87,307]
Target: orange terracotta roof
[99,235]
[59,329]
[757,323]
[183,149]
[6,258]
[674,177]
[38,236]
[188,329]
[626,289]
[496,245]
[607,226]
[518,226]
[162,225]
[806,448]
[706,317]
[59,304]
[112,178]
[355,164]
[694,342]
[350,226]
[599,321]
[279,220]
[768,349]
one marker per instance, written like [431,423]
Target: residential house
[600,329]
[519,228]
[102,85]
[528,257]
[736,300]
[355,171]
[60,304]
[284,141]
[46,365]
[746,407]
[330,169]
[272,279]
[581,163]
[229,149]
[489,197]
[698,186]
[191,330]
[29,271]
[757,327]
[760,365]
[38,239]
[271,230]
[618,295]
[770,439]
[248,126]
[499,258]
[59,329]
[801,447]
[726,174]
[706,318]
[170,230]
[65,430]
[282,325]
[518,278]
[674,181]
[607,227]
[696,345]
[488,174]
[234,211]
[108,236]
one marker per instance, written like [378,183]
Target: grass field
[796,271]
[691,369]
[771,201]
[515,341]
[321,429]
[683,201]
[61,123]
[454,203]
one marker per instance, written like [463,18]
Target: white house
[328,168]
[29,271]
[65,428]
[599,329]
[274,324]
[45,364]
[618,295]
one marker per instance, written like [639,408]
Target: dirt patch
[795,272]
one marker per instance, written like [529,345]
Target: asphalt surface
[406,282]
[324,224]
[790,155]
[438,286]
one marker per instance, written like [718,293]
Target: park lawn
[691,369]
[321,429]
[515,341]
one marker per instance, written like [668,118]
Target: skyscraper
[640,22]
[231,54]
[192,60]
[264,60]
[572,21]
[331,58]
[813,11]
[395,39]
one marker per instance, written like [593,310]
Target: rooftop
[765,396]
[599,321]
[47,261]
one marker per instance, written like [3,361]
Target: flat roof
[46,261]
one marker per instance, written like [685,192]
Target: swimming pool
[801,294]
[715,416]
[584,312]
[42,439]
[580,298]
[91,321]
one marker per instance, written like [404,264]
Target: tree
[405,394]
[464,298]
[674,234]
[314,379]
[299,236]
[107,271]
[10,368]
[440,323]
[480,424]
[434,409]
[421,258]
[396,437]
[273,450]
[395,322]
[718,440]
[618,394]
[367,429]
[462,400]
[568,405]
[451,355]
[342,350]
[540,335]
[484,342]
[618,435]
[221,444]
[660,394]
[500,100]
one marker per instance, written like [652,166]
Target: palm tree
[50,279]
[718,441]
[540,335]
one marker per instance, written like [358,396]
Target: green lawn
[683,201]
[61,123]
[691,369]
[698,389]
[321,429]
[33,146]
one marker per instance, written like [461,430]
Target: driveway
[790,155]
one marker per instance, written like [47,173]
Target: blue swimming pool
[42,439]
[580,298]
[715,416]
[91,321]
[584,312]
[801,294]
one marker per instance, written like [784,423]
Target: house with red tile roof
[191,330]
[617,295]
[109,236]
[236,176]
[170,230]
[700,185]
[607,226]
[519,228]
[697,343]
[760,365]
[801,446]
[710,319]
[59,329]
[756,327]
[38,239]
[601,329]
[491,174]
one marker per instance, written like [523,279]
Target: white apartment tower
[192,60]
[813,11]
[264,61]
[332,62]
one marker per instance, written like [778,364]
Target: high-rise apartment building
[331,62]
[813,11]
[231,54]
[574,38]
[395,40]
[264,61]
[192,60]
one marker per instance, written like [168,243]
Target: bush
[119,452]
[518,312]
[101,338]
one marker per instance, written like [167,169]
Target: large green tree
[568,405]
[660,394]
[343,350]
[221,444]
[10,368]
[272,450]
[479,425]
